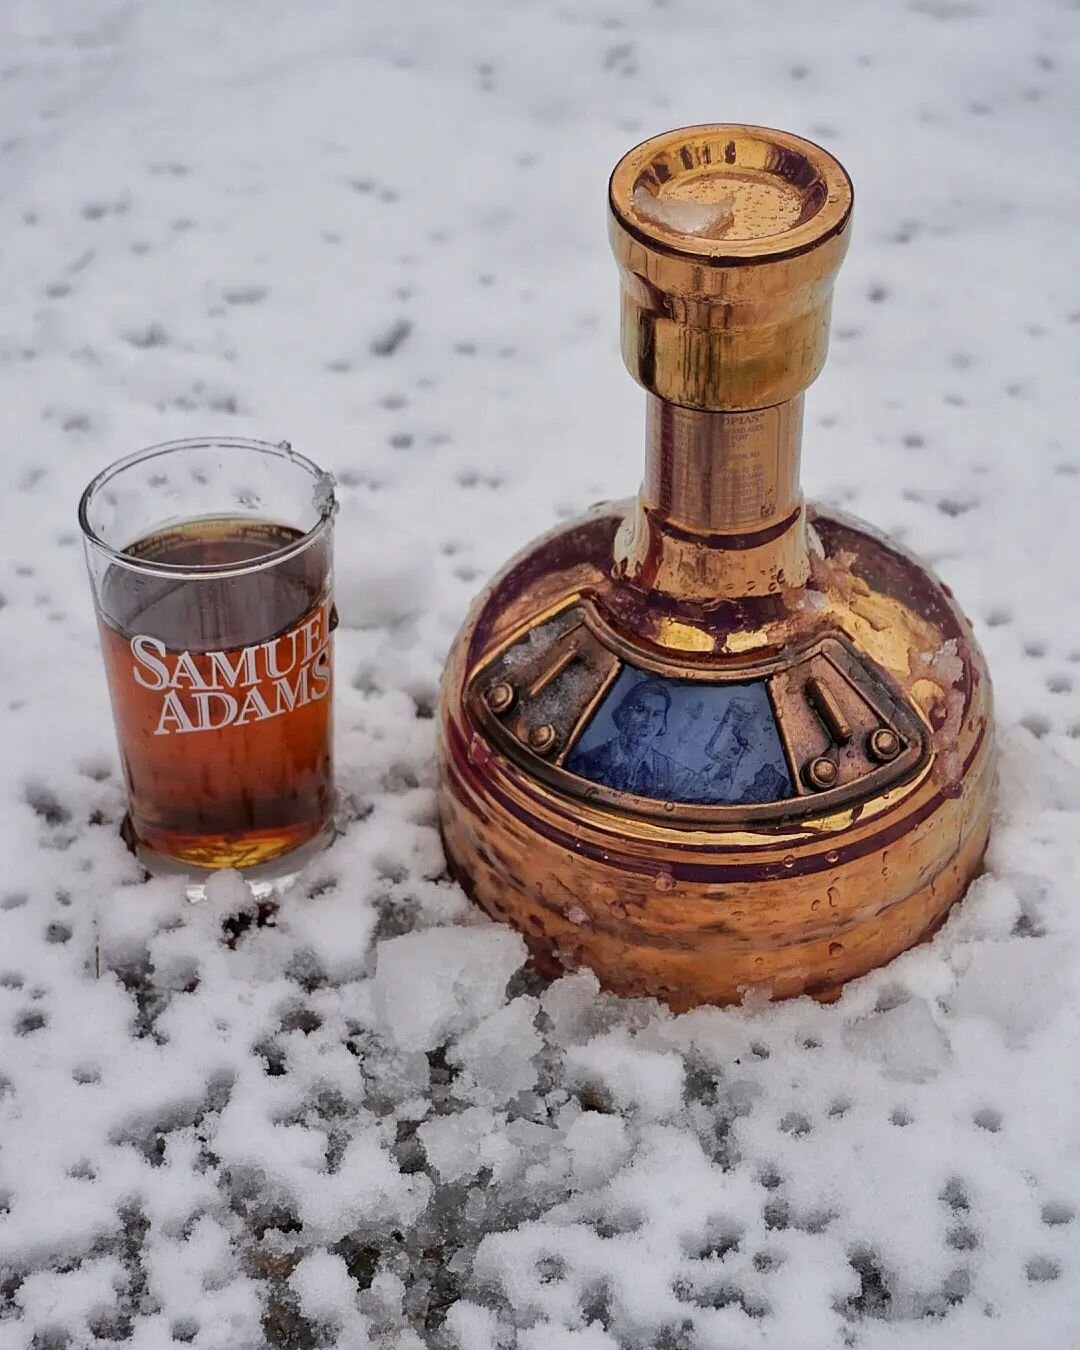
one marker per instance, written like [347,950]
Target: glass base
[265,881]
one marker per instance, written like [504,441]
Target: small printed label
[744,484]
[209,691]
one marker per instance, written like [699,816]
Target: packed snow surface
[378,231]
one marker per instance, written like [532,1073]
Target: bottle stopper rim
[726,194]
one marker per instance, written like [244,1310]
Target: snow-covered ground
[379,230]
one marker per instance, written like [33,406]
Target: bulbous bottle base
[767,796]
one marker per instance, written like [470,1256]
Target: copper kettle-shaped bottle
[714,741]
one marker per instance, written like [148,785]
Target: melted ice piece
[702,218]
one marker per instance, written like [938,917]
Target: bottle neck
[720,513]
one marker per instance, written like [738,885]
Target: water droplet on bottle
[834,897]
[832,856]
[664,881]
[789,861]
[815,904]
[836,949]
[759,960]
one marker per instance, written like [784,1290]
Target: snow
[686,217]
[458,1146]
[496,1057]
[905,1041]
[1015,984]
[430,986]
[379,233]
[620,1071]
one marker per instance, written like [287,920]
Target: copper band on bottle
[733,476]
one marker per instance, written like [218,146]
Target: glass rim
[279,450]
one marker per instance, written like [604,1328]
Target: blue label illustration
[680,741]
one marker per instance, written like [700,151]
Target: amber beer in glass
[211,567]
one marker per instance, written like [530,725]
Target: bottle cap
[728,240]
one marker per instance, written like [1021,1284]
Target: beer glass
[210,562]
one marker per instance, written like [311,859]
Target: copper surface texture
[718,587]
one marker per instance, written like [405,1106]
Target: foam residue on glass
[322,496]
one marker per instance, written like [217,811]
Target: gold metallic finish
[728,473]
[720,513]
[738,917]
[822,772]
[728,239]
[562,662]
[884,744]
[719,578]
[500,696]
[830,711]
[652,556]
[542,739]
[863,698]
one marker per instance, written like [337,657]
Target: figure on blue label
[652,737]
